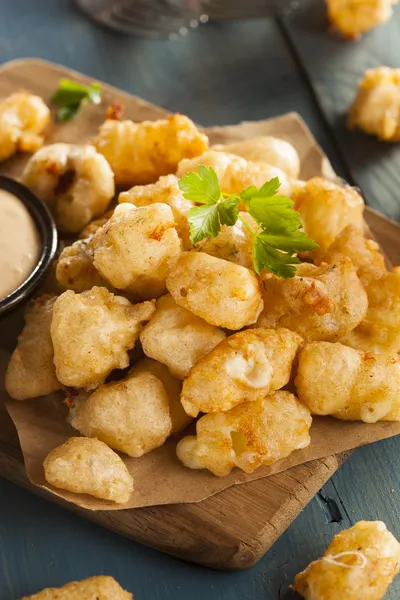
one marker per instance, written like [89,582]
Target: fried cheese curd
[75,269]
[326,208]
[333,379]
[220,292]
[173,386]
[360,562]
[75,182]
[233,243]
[23,118]
[355,17]
[267,150]
[94,588]
[94,225]
[249,436]
[364,253]
[243,368]
[319,303]
[133,249]
[164,191]
[178,338]
[376,108]
[140,153]
[234,172]
[132,415]
[92,333]
[379,331]
[87,466]
[31,371]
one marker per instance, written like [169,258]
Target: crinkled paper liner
[159,477]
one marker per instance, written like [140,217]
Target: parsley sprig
[70,95]
[278,236]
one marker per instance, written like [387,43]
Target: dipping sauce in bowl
[19,243]
[28,243]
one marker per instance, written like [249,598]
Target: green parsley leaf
[228,210]
[269,188]
[69,96]
[202,187]
[204,222]
[275,246]
[273,211]
[265,256]
[66,113]
[296,241]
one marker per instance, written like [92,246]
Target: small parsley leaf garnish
[70,95]
[202,187]
[228,210]
[204,222]
[279,234]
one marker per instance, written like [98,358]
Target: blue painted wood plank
[42,544]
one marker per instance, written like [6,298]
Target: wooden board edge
[236,554]
[250,553]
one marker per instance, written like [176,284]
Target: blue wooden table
[220,74]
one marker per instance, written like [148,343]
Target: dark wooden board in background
[333,67]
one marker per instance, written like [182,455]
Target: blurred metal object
[236,9]
[160,19]
[155,19]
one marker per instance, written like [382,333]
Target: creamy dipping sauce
[19,243]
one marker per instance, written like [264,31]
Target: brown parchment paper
[159,477]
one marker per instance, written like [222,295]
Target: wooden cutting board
[232,529]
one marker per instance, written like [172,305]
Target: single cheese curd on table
[236,173]
[266,150]
[92,333]
[360,563]
[140,153]
[23,119]
[131,415]
[333,379]
[164,191]
[249,436]
[31,371]
[319,303]
[87,466]
[326,208]
[94,588]
[244,367]
[177,338]
[355,17]
[133,249]
[75,182]
[220,292]
[376,108]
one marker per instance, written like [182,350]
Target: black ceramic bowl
[48,237]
